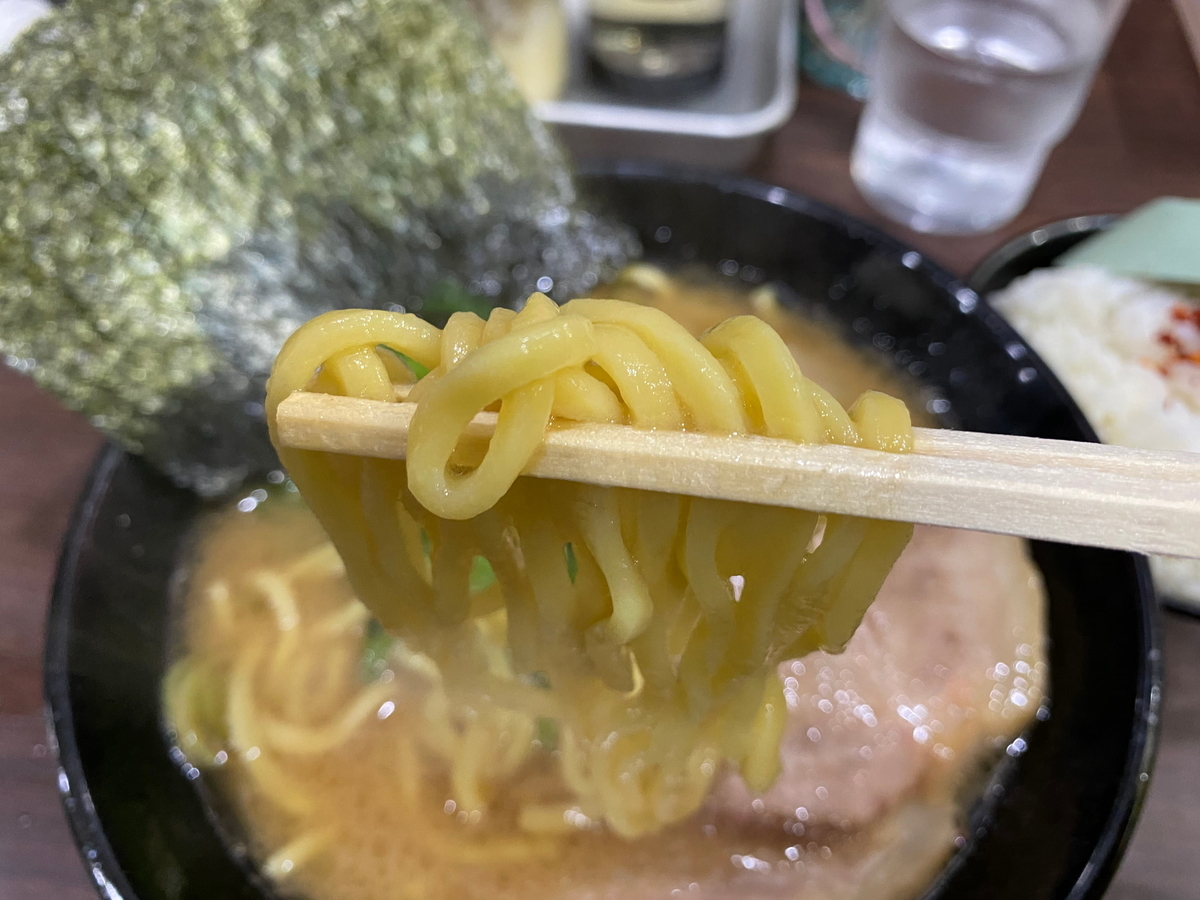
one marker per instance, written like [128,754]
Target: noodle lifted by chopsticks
[646,625]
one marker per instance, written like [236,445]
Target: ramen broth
[886,745]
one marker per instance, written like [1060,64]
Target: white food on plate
[1129,353]
[16,16]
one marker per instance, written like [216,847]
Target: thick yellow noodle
[646,625]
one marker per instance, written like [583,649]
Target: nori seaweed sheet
[184,182]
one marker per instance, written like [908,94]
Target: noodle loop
[645,625]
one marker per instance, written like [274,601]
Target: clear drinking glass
[967,99]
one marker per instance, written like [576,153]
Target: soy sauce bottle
[657,49]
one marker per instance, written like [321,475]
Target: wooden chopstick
[1079,493]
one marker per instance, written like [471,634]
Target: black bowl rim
[1012,250]
[101,860]
[96,853]
[792,200]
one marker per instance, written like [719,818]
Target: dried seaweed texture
[184,182]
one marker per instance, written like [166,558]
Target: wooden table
[1138,138]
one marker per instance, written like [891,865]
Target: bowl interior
[1054,821]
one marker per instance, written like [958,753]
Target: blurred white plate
[16,16]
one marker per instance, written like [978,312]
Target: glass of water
[968,97]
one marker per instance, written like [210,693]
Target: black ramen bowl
[1053,821]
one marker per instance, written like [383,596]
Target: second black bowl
[1036,250]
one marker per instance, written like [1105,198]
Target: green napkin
[1159,242]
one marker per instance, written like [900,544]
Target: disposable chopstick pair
[1079,493]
